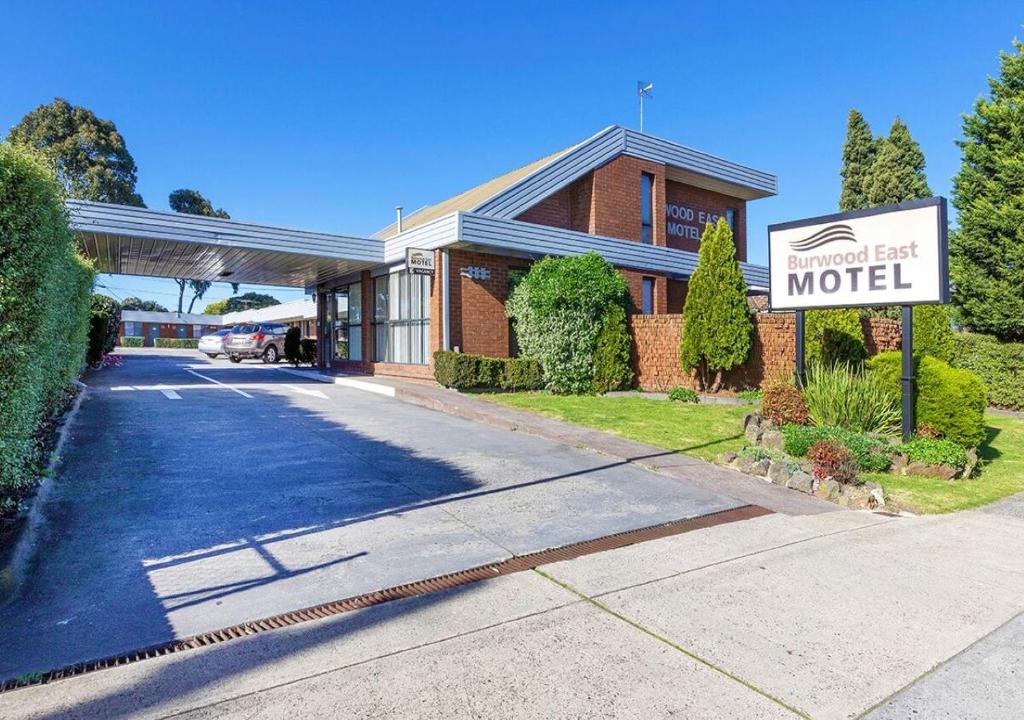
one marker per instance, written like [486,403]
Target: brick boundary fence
[656,349]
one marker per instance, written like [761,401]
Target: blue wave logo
[830,234]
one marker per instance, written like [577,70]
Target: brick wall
[656,349]
[711,203]
[477,320]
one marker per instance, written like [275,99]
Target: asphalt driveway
[196,494]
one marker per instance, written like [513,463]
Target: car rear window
[223,332]
[245,329]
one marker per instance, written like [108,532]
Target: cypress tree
[987,251]
[858,155]
[716,319]
[897,173]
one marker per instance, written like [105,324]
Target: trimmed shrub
[307,350]
[717,328]
[293,346]
[950,400]
[862,402]
[833,461]
[612,369]
[873,454]
[683,394]
[1000,365]
[464,371]
[188,343]
[104,322]
[834,336]
[784,404]
[558,311]
[935,452]
[933,333]
[131,341]
[753,395]
[44,315]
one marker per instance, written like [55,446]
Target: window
[401,318]
[132,328]
[730,218]
[647,296]
[197,331]
[646,208]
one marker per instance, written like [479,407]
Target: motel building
[639,201]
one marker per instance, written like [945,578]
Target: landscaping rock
[759,468]
[743,463]
[772,439]
[972,463]
[944,472]
[876,498]
[778,473]
[751,418]
[725,458]
[854,496]
[829,489]
[899,464]
[801,481]
[754,433]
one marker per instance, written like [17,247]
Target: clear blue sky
[326,115]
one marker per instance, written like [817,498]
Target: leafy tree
[88,154]
[612,369]
[897,172]
[858,155]
[250,301]
[559,311]
[987,251]
[716,320]
[134,303]
[217,307]
[933,334]
[192,202]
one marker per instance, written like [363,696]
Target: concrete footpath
[827,615]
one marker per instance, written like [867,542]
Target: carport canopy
[127,240]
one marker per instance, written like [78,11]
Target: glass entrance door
[346,321]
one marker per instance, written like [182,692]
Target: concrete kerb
[343,380]
[15,560]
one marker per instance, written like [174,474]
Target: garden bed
[705,431]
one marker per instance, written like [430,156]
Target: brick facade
[656,349]
[705,205]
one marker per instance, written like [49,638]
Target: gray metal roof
[540,240]
[137,241]
[170,318]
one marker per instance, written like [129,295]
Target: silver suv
[255,340]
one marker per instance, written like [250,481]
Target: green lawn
[706,430]
[701,430]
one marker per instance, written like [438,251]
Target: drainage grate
[515,564]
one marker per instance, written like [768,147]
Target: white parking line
[304,391]
[170,394]
[218,382]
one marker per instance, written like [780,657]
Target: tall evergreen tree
[716,319]
[987,250]
[192,202]
[858,155]
[88,154]
[897,173]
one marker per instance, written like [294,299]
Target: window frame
[647,208]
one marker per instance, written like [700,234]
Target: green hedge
[104,322]
[464,371]
[999,364]
[948,399]
[131,341]
[873,454]
[612,369]
[44,315]
[190,343]
[935,452]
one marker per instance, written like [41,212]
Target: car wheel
[270,355]
[235,359]
[211,355]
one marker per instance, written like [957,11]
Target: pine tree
[987,251]
[858,155]
[716,320]
[897,173]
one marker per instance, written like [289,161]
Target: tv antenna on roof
[643,89]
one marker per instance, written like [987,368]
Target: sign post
[891,255]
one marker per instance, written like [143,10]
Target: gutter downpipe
[445,331]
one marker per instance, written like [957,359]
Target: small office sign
[419,262]
[892,255]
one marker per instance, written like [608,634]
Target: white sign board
[419,262]
[893,255]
